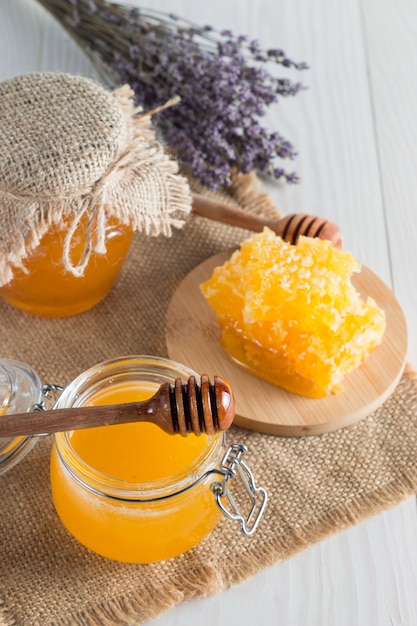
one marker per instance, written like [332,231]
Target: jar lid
[69,147]
[20,389]
[46,150]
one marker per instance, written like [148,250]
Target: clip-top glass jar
[20,390]
[132,492]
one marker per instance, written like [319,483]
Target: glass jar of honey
[132,492]
[20,390]
[81,169]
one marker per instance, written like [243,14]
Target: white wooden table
[355,129]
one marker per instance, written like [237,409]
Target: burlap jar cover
[316,485]
[68,147]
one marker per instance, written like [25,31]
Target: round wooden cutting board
[192,336]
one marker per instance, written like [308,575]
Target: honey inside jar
[134,497]
[44,287]
[75,156]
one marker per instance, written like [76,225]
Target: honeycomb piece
[290,314]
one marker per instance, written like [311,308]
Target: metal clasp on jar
[232,467]
[50,394]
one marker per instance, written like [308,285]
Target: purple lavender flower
[222,80]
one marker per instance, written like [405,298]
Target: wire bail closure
[233,467]
[50,394]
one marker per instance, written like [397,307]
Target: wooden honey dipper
[176,408]
[290,227]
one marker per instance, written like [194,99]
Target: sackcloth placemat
[316,485]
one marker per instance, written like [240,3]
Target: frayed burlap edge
[142,188]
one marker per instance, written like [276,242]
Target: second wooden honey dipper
[290,227]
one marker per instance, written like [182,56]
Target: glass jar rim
[142,367]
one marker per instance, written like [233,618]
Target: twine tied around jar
[70,149]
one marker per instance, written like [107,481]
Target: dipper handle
[176,408]
[290,227]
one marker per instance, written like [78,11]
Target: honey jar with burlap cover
[81,171]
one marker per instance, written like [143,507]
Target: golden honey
[291,315]
[132,492]
[44,287]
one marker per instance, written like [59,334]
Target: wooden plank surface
[355,131]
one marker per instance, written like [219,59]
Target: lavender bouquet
[222,81]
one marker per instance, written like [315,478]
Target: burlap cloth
[316,485]
[71,149]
